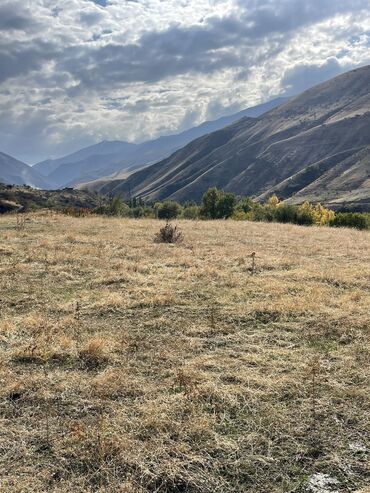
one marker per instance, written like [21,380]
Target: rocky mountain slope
[315,147]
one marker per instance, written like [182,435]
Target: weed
[169,234]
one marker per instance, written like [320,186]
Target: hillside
[16,172]
[136,367]
[19,198]
[314,146]
[112,159]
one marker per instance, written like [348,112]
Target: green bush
[191,212]
[169,209]
[350,220]
[245,204]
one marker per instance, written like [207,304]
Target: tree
[217,204]
[210,202]
[118,208]
[273,201]
[226,205]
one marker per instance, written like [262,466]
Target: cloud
[301,77]
[119,69]
[103,3]
[11,19]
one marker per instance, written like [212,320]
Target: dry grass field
[132,366]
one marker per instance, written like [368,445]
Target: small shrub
[169,234]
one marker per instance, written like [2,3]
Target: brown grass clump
[128,366]
[94,353]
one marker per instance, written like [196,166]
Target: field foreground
[130,366]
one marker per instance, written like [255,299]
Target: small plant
[253,266]
[21,222]
[169,234]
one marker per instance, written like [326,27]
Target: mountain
[115,159]
[315,146]
[85,163]
[15,172]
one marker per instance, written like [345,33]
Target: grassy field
[131,366]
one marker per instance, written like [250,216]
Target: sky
[75,72]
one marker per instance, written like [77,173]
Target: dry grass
[133,366]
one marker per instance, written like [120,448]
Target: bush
[245,204]
[168,234]
[191,212]
[239,215]
[115,208]
[286,214]
[169,209]
[350,220]
[141,211]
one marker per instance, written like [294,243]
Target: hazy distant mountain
[66,169]
[316,147]
[120,158]
[15,172]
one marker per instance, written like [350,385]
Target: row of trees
[217,204]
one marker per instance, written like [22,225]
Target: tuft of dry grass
[129,366]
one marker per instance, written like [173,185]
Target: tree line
[217,204]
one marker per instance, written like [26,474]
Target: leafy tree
[210,202]
[226,205]
[322,215]
[273,201]
[217,204]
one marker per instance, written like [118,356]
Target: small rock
[322,483]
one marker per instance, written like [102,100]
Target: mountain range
[314,147]
[119,159]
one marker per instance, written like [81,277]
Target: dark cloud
[302,77]
[12,19]
[219,43]
[19,58]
